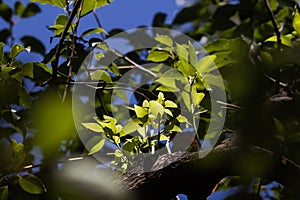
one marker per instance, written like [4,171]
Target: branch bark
[197,177]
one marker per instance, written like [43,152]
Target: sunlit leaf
[170,104]
[59,3]
[15,50]
[206,64]
[140,111]
[32,184]
[130,127]
[158,56]
[97,147]
[156,108]
[101,75]
[285,39]
[164,39]
[93,127]
[296,22]
[93,31]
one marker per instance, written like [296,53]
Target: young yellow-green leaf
[158,56]
[130,127]
[93,127]
[59,3]
[296,22]
[32,184]
[186,99]
[140,111]
[181,119]
[169,112]
[15,50]
[156,108]
[285,39]
[99,55]
[146,103]
[206,64]
[97,147]
[164,39]
[4,193]
[192,54]
[182,51]
[161,97]
[93,31]
[170,104]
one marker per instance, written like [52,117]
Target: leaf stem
[276,30]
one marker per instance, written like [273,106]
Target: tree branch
[55,62]
[277,32]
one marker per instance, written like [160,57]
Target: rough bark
[196,176]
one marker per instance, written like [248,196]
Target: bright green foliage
[59,3]
[32,184]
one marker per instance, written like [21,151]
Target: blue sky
[125,14]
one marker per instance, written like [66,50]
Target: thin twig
[55,62]
[122,56]
[72,52]
[276,29]
[99,24]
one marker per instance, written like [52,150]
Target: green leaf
[35,44]
[99,55]
[130,127]
[140,111]
[114,69]
[30,10]
[170,104]
[118,153]
[160,97]
[18,8]
[18,153]
[60,23]
[89,6]
[32,184]
[101,75]
[164,39]
[296,22]
[97,147]
[59,3]
[206,64]
[186,99]
[93,127]
[192,55]
[279,127]
[24,97]
[158,56]
[4,193]
[15,50]
[156,108]
[93,31]
[1,51]
[182,52]
[285,39]
[5,12]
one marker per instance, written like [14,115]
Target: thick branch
[196,177]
